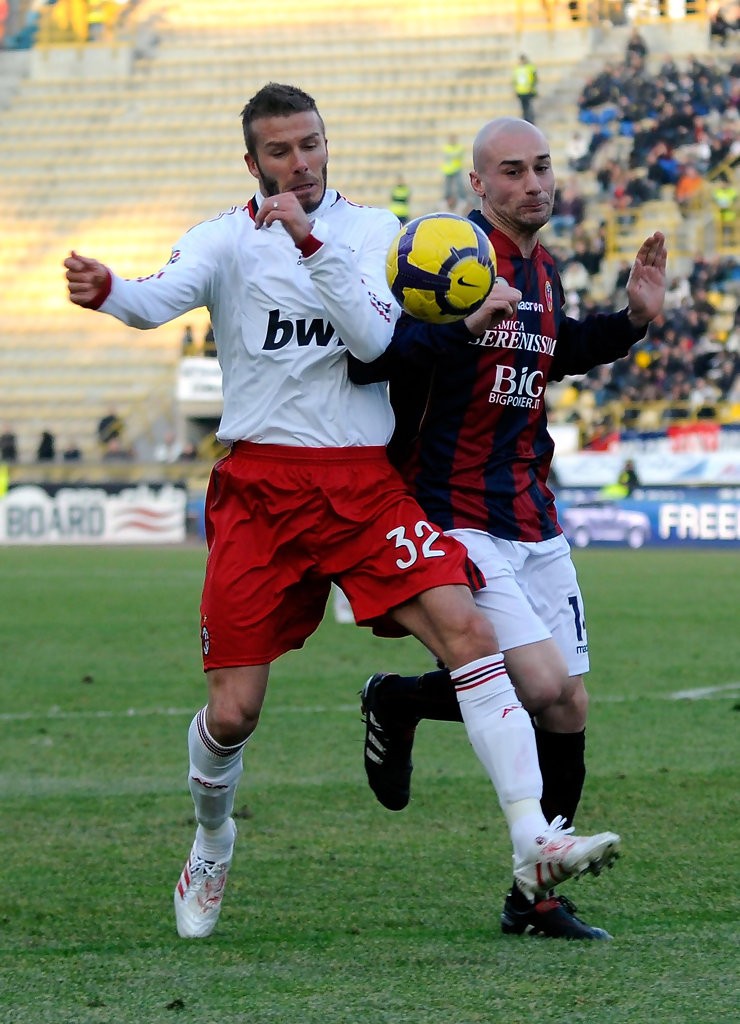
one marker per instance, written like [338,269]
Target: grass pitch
[339,912]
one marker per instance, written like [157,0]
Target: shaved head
[504,134]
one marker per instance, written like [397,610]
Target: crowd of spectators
[654,135]
[46,448]
[650,130]
[110,445]
[684,361]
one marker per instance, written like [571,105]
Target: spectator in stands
[688,188]
[116,451]
[589,249]
[187,342]
[46,451]
[599,89]
[724,196]
[400,199]
[664,167]
[725,375]
[453,184]
[574,276]
[569,208]
[72,452]
[677,293]
[636,50]
[209,342]
[168,449]
[525,86]
[188,453]
[622,277]
[601,437]
[720,28]
[698,152]
[576,150]
[8,445]
[22,25]
[703,397]
[110,427]
[703,306]
[96,14]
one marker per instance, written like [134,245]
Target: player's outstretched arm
[646,284]
[88,281]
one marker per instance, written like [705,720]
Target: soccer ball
[440,267]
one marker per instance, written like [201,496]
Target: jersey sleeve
[184,283]
[414,346]
[593,341]
[353,287]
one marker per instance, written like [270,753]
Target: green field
[339,912]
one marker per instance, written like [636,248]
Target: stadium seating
[119,165]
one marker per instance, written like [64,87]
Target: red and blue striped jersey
[471,423]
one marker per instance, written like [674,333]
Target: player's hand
[500,304]
[88,281]
[646,283]
[285,208]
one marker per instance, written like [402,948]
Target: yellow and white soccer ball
[441,267]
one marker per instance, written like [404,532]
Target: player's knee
[474,637]
[232,715]
[575,699]
[568,712]
[231,724]
[543,686]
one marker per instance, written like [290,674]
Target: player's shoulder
[220,230]
[227,221]
[361,212]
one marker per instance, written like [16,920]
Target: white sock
[501,733]
[213,776]
[215,844]
[524,830]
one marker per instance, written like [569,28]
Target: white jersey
[283,323]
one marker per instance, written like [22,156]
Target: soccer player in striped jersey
[472,440]
[294,280]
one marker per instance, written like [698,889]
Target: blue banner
[651,516]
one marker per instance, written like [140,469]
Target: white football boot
[558,855]
[199,893]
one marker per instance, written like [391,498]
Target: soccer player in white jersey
[294,281]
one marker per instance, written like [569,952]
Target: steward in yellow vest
[525,86]
[400,198]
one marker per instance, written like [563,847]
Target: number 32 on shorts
[423,548]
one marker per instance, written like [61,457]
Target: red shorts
[283,522]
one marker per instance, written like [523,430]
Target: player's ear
[476,184]
[252,165]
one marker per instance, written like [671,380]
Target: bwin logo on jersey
[280,332]
[519,387]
